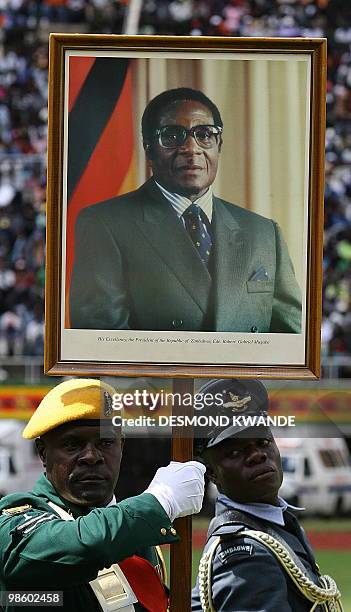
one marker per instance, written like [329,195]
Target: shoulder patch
[16,510]
[246,550]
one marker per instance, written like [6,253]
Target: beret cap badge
[108,408]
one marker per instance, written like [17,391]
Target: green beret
[76,399]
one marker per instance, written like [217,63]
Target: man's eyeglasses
[173,136]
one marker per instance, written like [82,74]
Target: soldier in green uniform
[68,534]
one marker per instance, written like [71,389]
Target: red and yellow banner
[307,405]
[19,402]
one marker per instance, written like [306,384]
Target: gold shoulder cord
[205,571]
[328,596]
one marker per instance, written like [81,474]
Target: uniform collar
[266,512]
[180,203]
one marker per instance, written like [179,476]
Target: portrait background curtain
[263,163]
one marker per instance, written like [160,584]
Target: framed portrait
[185,206]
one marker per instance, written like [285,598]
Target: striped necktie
[198,232]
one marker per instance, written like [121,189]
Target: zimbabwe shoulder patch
[234,550]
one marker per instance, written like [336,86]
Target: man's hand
[179,488]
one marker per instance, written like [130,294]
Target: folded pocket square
[260,275]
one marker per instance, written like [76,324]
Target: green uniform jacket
[136,267]
[41,551]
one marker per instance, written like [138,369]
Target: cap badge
[237,404]
[108,407]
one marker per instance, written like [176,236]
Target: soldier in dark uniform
[69,534]
[257,556]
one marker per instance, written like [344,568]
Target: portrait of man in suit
[172,256]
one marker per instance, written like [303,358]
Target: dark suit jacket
[136,268]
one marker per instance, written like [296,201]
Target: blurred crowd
[24,27]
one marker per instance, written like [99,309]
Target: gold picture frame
[271,93]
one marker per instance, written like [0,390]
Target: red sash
[146,583]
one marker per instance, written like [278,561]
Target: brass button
[173,531]
[163,531]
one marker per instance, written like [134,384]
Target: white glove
[179,488]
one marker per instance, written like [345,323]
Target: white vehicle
[20,465]
[317,474]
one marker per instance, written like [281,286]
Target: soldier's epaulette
[16,510]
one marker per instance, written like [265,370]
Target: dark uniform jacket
[247,576]
[136,267]
[41,551]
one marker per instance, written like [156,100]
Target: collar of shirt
[267,512]
[113,502]
[181,203]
